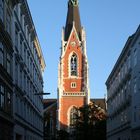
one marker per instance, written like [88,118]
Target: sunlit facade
[73,85]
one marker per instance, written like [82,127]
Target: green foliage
[89,124]
[62,135]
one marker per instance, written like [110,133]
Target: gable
[73,39]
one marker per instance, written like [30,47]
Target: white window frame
[73,84]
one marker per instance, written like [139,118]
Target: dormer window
[73,64]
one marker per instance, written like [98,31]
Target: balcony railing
[120,84]
[126,103]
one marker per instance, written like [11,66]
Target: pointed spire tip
[73,2]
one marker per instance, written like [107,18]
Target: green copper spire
[74,2]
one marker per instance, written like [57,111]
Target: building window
[129,83]
[73,116]
[125,91]
[1,96]
[139,113]
[73,85]
[119,76]
[135,117]
[125,68]
[1,53]
[1,9]
[16,39]
[9,100]
[8,63]
[129,62]
[16,102]
[24,81]
[21,43]
[135,57]
[135,86]
[16,72]
[73,64]
[21,18]
[25,51]
[122,95]
[20,78]
[8,23]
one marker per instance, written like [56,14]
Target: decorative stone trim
[74,94]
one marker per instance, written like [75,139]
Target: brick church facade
[73,87]
[73,83]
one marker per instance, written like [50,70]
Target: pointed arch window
[73,64]
[73,116]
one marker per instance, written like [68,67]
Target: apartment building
[21,67]
[123,93]
[6,73]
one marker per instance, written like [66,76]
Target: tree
[90,123]
[62,135]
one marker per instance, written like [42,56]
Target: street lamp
[42,93]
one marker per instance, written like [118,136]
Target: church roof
[99,102]
[73,17]
[48,102]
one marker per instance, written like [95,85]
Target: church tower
[73,86]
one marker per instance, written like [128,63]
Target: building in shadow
[50,118]
[123,88]
[6,70]
[21,67]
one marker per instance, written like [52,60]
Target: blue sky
[108,24]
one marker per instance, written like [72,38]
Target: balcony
[126,103]
[120,84]
[6,36]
